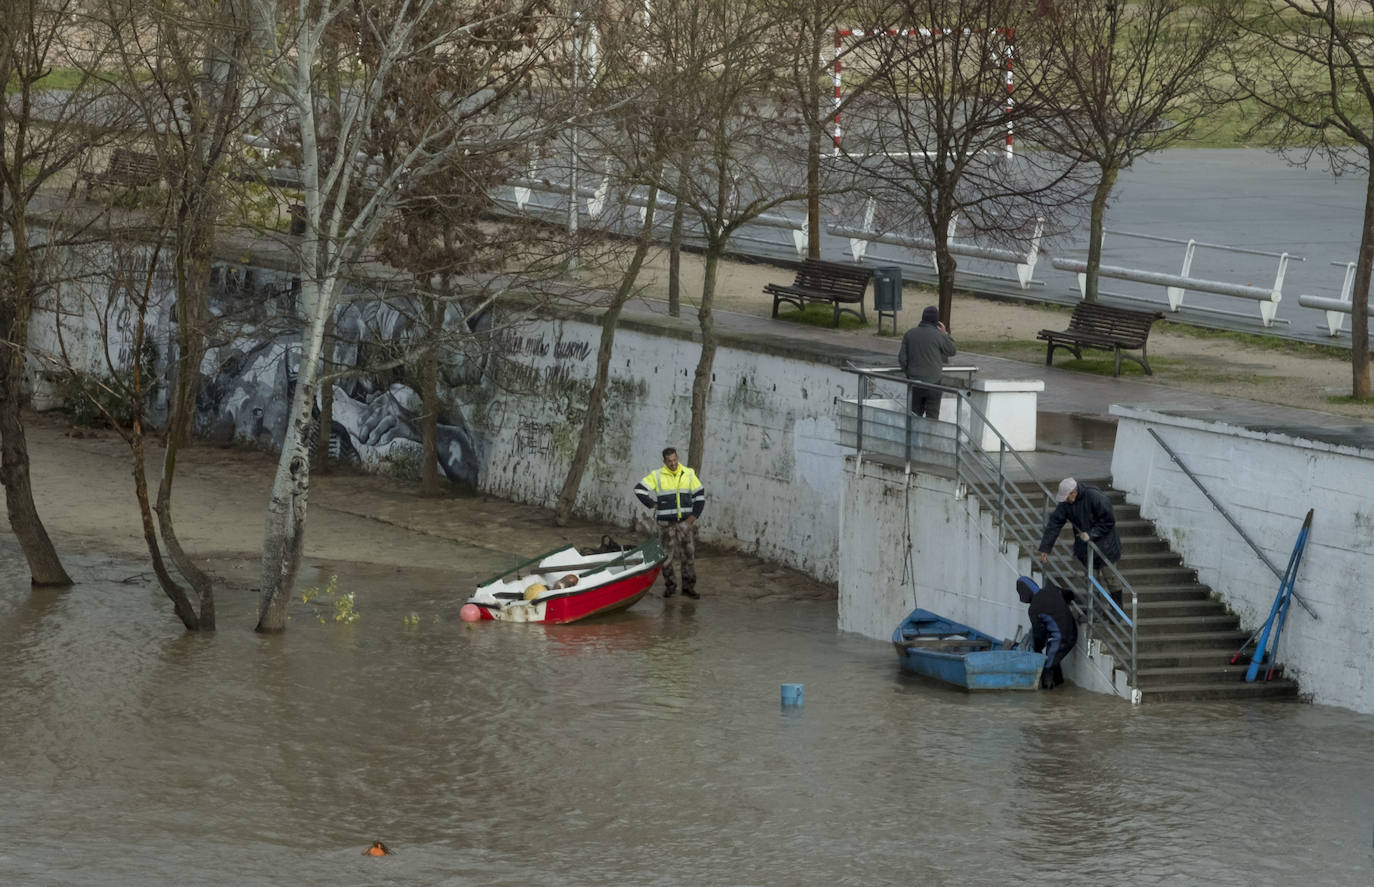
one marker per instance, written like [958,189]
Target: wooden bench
[819,281]
[1105,328]
[127,169]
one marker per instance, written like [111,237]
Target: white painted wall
[957,566]
[772,468]
[1267,482]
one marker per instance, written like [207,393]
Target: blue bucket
[792,694]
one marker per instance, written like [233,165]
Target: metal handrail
[1021,519]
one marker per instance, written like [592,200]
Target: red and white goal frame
[1008,56]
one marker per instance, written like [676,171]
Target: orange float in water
[377,849]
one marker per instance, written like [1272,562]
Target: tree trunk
[284,534]
[429,398]
[596,398]
[193,273]
[181,602]
[45,569]
[945,266]
[1096,220]
[813,190]
[16,307]
[701,381]
[675,250]
[326,420]
[1359,310]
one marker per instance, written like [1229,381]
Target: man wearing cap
[1090,512]
[925,349]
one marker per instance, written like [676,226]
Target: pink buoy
[470,613]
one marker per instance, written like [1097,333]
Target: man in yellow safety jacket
[677,497]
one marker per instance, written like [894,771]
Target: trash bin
[887,288]
[887,293]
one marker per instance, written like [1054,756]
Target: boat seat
[950,645]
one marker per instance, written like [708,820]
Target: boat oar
[1292,580]
[1262,645]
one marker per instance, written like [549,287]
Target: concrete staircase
[1185,637]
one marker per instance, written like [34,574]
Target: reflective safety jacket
[674,495]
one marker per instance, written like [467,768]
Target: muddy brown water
[646,748]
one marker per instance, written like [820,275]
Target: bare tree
[930,135]
[741,154]
[634,80]
[347,195]
[181,75]
[1308,65]
[43,135]
[820,48]
[1127,79]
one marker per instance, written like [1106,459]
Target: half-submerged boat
[565,585]
[941,648]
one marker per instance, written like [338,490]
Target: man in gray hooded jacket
[925,348]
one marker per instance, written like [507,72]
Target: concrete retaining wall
[1267,481]
[772,467]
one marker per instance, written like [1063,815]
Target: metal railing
[888,433]
[1221,509]
[1336,309]
[1176,285]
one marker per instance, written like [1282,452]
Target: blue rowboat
[940,648]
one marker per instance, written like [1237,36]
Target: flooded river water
[647,748]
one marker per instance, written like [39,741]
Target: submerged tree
[347,195]
[182,71]
[1308,65]
[43,136]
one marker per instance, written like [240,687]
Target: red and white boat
[565,585]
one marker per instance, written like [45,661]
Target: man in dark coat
[1090,513]
[925,348]
[1053,629]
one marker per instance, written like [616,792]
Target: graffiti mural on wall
[377,413]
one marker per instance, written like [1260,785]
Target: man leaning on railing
[1090,513]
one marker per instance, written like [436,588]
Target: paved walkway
[1075,429]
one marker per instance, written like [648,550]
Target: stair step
[1150,609]
[1158,575]
[1148,591]
[1184,657]
[1152,627]
[1185,640]
[1134,545]
[1154,560]
[1149,678]
[1275,689]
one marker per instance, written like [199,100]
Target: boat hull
[575,606]
[564,586]
[930,645]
